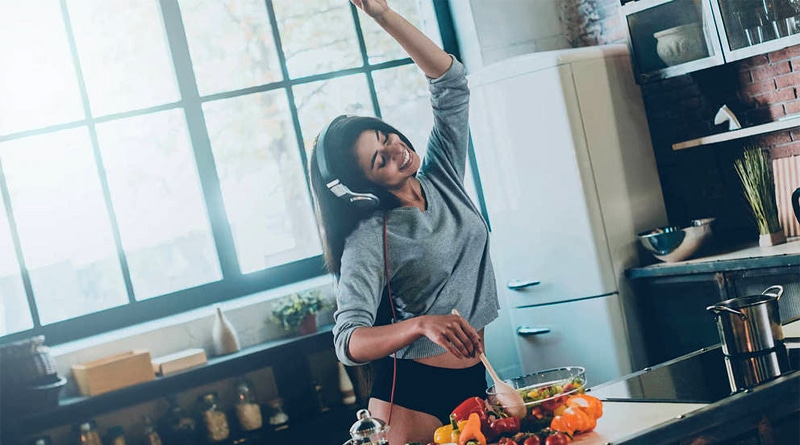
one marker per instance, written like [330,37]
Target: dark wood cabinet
[289,359]
[672,298]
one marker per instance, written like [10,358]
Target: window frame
[233,284]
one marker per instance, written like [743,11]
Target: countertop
[652,423]
[742,257]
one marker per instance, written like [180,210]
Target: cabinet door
[671,37]
[672,313]
[748,28]
[587,333]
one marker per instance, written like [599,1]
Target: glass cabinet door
[750,27]
[671,37]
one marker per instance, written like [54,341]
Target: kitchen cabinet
[671,297]
[293,376]
[668,38]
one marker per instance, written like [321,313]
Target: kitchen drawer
[588,333]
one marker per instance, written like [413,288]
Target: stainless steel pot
[750,324]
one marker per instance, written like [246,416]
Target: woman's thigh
[406,425]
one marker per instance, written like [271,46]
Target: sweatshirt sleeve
[360,286]
[447,147]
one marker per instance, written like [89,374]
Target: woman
[383,212]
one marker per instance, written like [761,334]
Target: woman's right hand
[453,333]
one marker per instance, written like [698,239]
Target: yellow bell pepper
[448,433]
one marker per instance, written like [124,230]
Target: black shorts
[431,390]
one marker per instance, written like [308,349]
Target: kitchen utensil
[368,430]
[675,243]
[750,324]
[507,396]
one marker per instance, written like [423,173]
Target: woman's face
[385,159]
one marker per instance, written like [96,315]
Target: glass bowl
[543,391]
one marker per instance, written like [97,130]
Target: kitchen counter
[654,423]
[742,257]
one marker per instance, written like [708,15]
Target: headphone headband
[363,200]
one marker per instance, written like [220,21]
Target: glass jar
[214,419]
[43,440]
[115,436]
[151,436]
[248,412]
[278,419]
[181,427]
[88,434]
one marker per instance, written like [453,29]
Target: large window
[152,152]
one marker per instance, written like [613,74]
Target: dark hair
[336,217]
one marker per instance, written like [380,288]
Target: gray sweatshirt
[439,258]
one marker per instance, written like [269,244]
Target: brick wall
[701,181]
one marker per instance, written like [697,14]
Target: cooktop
[699,377]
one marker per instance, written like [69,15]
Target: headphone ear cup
[361,200]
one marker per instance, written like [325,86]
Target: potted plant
[297,312]
[755,172]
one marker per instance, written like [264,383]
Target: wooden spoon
[507,396]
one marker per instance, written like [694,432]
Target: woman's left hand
[373,8]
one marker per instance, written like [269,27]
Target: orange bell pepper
[589,404]
[573,420]
[471,433]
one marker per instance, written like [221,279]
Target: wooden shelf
[740,133]
[281,354]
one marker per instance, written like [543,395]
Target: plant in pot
[755,172]
[296,313]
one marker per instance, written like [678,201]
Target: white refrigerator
[569,178]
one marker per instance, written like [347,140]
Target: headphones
[361,200]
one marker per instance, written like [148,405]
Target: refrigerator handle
[525,331]
[521,284]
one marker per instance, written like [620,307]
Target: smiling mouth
[406,159]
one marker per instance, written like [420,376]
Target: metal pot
[750,324]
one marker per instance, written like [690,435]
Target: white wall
[492,30]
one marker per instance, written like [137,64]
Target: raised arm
[431,59]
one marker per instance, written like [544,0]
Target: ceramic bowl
[675,243]
[681,44]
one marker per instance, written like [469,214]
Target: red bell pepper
[505,426]
[471,405]
[475,405]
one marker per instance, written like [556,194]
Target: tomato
[533,440]
[506,441]
[557,439]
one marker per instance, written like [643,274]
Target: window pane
[63,224]
[231,44]
[381,47]
[262,180]
[158,203]
[317,36]
[319,102]
[15,315]
[405,103]
[38,86]
[124,54]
